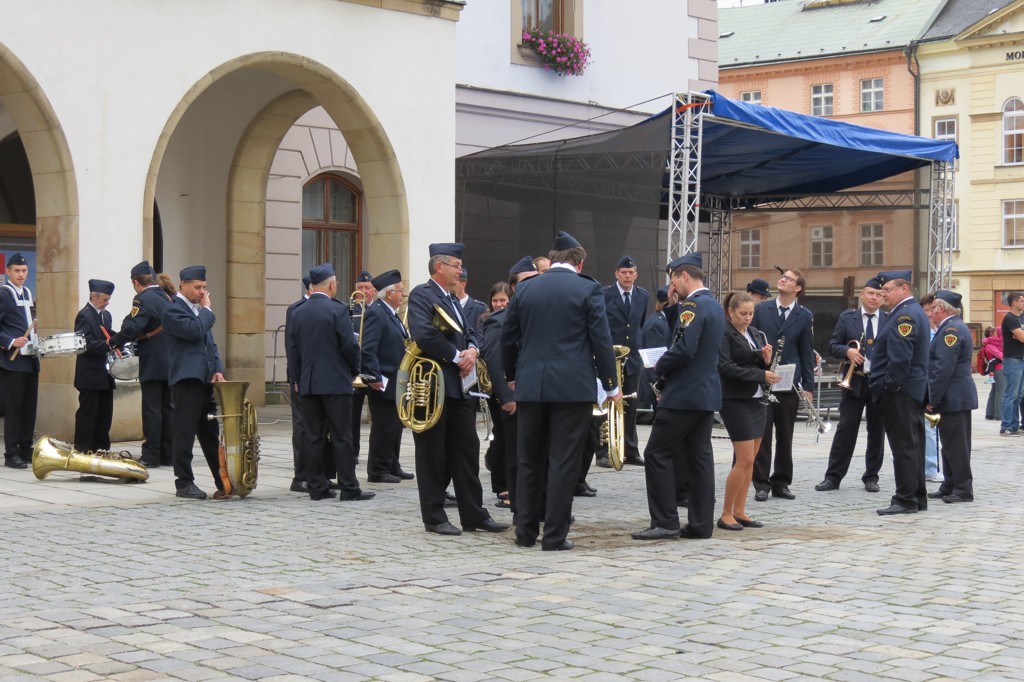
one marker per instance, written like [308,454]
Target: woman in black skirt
[742,363]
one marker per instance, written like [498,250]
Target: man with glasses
[450,450]
[784,318]
[1013,365]
[899,375]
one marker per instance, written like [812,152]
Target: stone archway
[384,191]
[57,210]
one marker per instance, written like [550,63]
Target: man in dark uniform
[193,364]
[682,424]
[626,304]
[952,394]
[899,377]
[324,357]
[364,285]
[450,450]
[784,318]
[95,385]
[143,326]
[382,347]
[472,309]
[860,324]
[19,371]
[758,288]
[555,332]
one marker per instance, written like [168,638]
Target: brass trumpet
[844,375]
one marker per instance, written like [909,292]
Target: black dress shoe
[384,478]
[565,546]
[688,533]
[655,533]
[784,493]
[871,486]
[361,496]
[750,523]
[896,509]
[333,485]
[149,464]
[589,487]
[954,498]
[635,461]
[299,487]
[729,526]
[489,525]
[826,485]
[15,462]
[324,495]
[584,491]
[937,495]
[525,542]
[405,475]
[761,496]
[604,463]
[445,528]
[191,492]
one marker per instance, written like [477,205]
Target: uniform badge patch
[905,328]
[950,339]
[135,311]
[686,317]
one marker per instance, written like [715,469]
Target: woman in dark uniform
[742,363]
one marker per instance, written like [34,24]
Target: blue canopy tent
[697,161]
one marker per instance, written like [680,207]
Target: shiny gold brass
[358,298]
[844,375]
[239,435]
[933,419]
[419,397]
[613,430]
[50,454]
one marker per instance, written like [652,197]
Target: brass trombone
[358,298]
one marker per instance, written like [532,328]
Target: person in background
[94,383]
[1013,365]
[472,309]
[990,363]
[931,436]
[494,458]
[541,264]
[758,288]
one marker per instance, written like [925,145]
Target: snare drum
[58,345]
[125,366]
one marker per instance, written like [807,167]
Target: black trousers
[681,435]
[298,443]
[358,396]
[551,438]
[955,436]
[496,448]
[904,427]
[844,442]
[510,432]
[385,436]
[450,451]
[21,397]
[157,423]
[781,418]
[92,420]
[332,414]
[193,402]
[629,386]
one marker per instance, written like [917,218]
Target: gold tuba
[50,454]
[420,393]
[240,439]
[613,430]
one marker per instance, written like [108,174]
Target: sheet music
[650,356]
[786,373]
[469,380]
[602,395]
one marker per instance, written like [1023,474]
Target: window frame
[325,226]
[822,99]
[1017,132]
[822,242]
[877,244]
[1016,217]
[877,94]
[570,16]
[751,96]
[749,240]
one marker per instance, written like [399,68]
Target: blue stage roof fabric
[750,150]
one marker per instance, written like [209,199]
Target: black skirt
[743,418]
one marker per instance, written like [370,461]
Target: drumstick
[104,330]
[24,336]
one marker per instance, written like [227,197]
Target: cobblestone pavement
[125,582]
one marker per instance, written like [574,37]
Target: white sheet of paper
[602,395]
[786,374]
[867,366]
[650,356]
[469,380]
[384,382]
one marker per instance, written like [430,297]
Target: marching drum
[125,366]
[58,345]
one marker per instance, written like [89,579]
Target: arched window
[331,228]
[1013,131]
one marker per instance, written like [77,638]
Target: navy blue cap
[625,262]
[693,259]
[386,279]
[759,287]
[890,275]
[464,274]
[193,272]
[101,286]
[950,297]
[873,283]
[524,264]
[662,294]
[17,259]
[143,268]
[365,276]
[453,250]
[306,281]
[321,273]
[564,241]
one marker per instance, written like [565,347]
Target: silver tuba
[50,454]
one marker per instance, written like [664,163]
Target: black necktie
[782,313]
[626,294]
[869,335]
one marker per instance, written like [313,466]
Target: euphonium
[50,454]
[613,430]
[420,393]
[240,440]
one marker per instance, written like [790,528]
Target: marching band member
[952,394]
[450,450]
[899,377]
[94,383]
[363,285]
[19,372]
[861,325]
[682,423]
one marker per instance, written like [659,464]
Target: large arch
[387,221]
[57,211]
